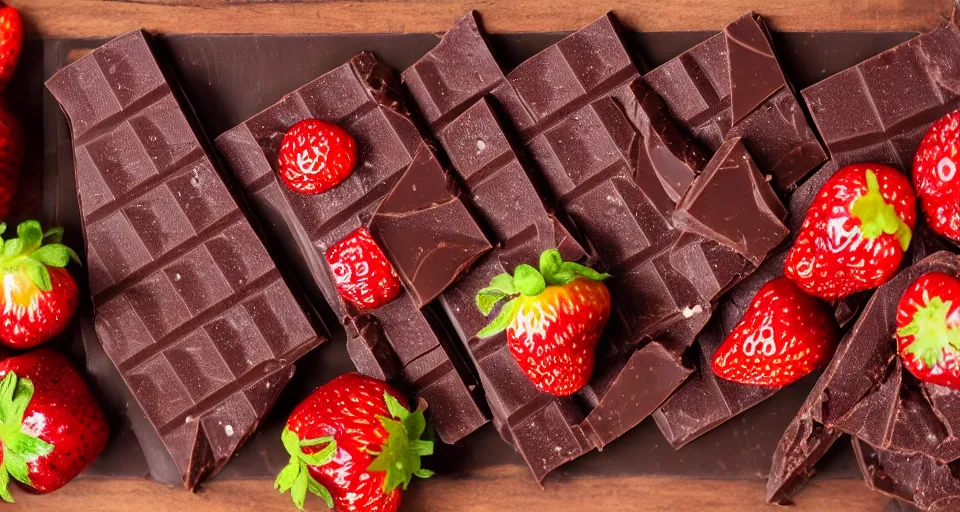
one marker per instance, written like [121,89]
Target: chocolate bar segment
[880,109]
[402,341]
[189,306]
[732,177]
[731,85]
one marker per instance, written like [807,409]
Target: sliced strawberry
[784,335]
[361,271]
[316,156]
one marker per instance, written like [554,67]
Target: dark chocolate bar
[879,109]
[189,306]
[404,340]
[615,166]
[731,85]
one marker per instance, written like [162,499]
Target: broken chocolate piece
[756,226]
[914,478]
[879,110]
[189,306]
[401,341]
[731,85]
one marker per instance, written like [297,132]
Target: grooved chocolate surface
[402,340]
[879,109]
[615,166]
[731,85]
[189,305]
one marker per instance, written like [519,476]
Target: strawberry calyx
[932,335]
[19,446]
[295,476]
[400,455]
[32,251]
[529,282]
[877,216]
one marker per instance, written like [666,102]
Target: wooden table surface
[499,488]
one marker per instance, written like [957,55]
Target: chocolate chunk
[804,442]
[914,478]
[731,85]
[879,110]
[755,226]
[189,306]
[425,230]
[402,340]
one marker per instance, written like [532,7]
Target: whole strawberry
[354,443]
[11,157]
[784,335]
[51,427]
[39,296]
[928,329]
[316,156]
[553,320]
[361,271]
[11,42]
[855,233]
[935,175]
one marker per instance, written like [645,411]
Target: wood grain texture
[503,489]
[95,18]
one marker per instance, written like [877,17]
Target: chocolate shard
[731,85]
[189,306]
[804,442]
[425,230]
[404,340]
[755,226]
[861,113]
[915,479]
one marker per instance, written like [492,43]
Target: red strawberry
[784,335]
[316,156]
[11,42]
[855,233]
[936,178]
[39,297]
[11,157]
[51,427]
[928,329]
[354,443]
[553,321]
[362,273]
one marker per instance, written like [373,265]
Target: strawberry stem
[400,456]
[877,216]
[931,334]
[19,447]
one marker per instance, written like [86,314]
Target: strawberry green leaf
[5,484]
[31,234]
[12,248]
[53,255]
[400,456]
[931,334]
[528,280]
[877,216]
[501,286]
[395,408]
[550,261]
[18,446]
[38,273]
[54,235]
[507,313]
[583,271]
[16,465]
[295,476]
